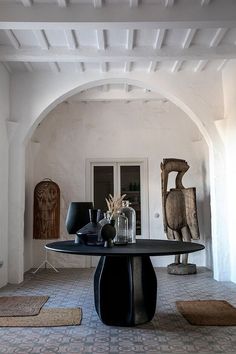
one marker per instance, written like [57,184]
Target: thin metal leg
[45,263]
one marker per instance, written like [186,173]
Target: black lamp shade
[77,216]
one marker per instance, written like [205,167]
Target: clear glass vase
[121,226]
[131,216]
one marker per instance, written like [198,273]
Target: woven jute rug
[50,317]
[208,312]
[21,305]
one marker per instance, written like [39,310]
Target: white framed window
[117,177]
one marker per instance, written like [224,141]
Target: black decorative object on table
[88,234]
[77,217]
[108,233]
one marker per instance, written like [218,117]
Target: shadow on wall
[204,215]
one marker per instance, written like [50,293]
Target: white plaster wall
[228,130]
[73,132]
[199,95]
[4,116]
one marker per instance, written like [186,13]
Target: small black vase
[88,234]
[108,233]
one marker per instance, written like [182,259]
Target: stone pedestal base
[181,269]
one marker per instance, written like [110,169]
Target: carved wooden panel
[46,210]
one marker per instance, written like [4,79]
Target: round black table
[125,285]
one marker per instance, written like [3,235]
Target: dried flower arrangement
[114,203]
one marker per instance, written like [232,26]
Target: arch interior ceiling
[117,35]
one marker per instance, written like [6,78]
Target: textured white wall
[228,131]
[74,131]
[200,96]
[4,116]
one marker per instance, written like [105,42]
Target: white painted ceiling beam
[128,67]
[160,36]
[188,14]
[101,39]
[205,2]
[117,55]
[177,66]
[104,67]
[133,3]
[79,67]
[62,3]
[28,67]
[152,66]
[127,87]
[189,37]
[42,39]
[97,3]
[218,37]
[7,67]
[12,37]
[71,39]
[168,3]
[201,65]
[221,65]
[55,67]
[27,3]
[116,93]
[130,39]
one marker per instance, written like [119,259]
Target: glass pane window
[103,185]
[130,185]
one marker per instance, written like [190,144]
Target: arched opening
[195,144]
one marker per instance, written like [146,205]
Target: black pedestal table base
[125,289]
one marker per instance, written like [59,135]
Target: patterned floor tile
[168,332]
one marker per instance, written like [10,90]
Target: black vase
[88,234]
[77,216]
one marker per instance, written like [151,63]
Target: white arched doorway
[41,111]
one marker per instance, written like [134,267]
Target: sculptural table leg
[125,290]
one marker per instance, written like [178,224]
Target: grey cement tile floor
[168,332]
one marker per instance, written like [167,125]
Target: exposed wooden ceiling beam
[133,3]
[177,66]
[42,39]
[28,66]
[104,67]
[189,37]
[154,15]
[128,67]
[201,65]
[79,67]
[62,3]
[205,2]
[168,3]
[101,39]
[7,67]
[221,65]
[55,67]
[160,36]
[152,66]
[218,37]
[12,37]
[71,39]
[27,3]
[97,3]
[130,39]
[117,55]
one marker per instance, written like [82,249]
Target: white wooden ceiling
[117,35]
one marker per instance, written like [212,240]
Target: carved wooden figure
[179,212]
[46,210]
